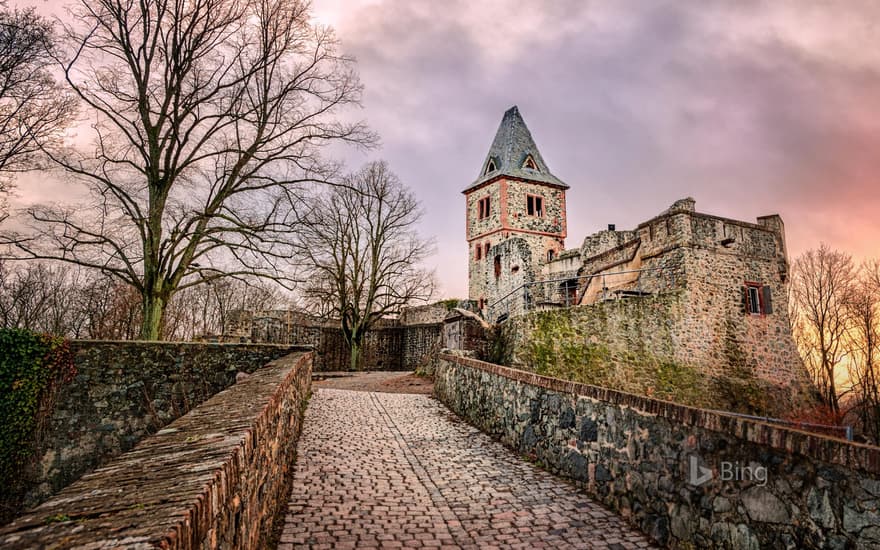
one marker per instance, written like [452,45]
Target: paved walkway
[397,470]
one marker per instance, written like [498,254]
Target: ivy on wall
[32,368]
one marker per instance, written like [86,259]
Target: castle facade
[731,275]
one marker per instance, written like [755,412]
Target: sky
[750,107]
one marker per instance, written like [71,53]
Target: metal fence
[582,289]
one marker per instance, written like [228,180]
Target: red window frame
[754,298]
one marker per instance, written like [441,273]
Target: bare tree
[822,284]
[864,348]
[363,252]
[33,109]
[207,310]
[207,114]
[42,297]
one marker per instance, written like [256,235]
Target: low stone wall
[213,478]
[124,391]
[689,478]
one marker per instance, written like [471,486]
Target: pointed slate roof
[511,148]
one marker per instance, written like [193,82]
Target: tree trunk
[355,355]
[154,309]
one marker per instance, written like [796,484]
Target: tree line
[835,313]
[74,302]
[204,168]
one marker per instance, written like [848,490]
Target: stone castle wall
[710,260]
[124,391]
[385,348]
[402,343]
[214,478]
[657,346]
[634,454]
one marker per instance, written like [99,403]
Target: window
[757,299]
[497,266]
[530,163]
[483,208]
[478,254]
[490,166]
[550,255]
[534,205]
[486,249]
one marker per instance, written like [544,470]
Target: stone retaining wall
[664,465]
[213,478]
[652,346]
[124,391]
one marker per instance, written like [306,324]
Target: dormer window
[530,164]
[490,166]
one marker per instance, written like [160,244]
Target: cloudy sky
[750,107]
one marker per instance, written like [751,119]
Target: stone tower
[515,214]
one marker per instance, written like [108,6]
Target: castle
[729,276]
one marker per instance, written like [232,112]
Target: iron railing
[569,291]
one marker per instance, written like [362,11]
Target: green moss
[627,345]
[556,349]
[32,368]
[500,348]
[681,383]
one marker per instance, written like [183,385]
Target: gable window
[490,166]
[483,208]
[757,299]
[530,163]
[535,205]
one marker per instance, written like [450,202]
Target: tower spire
[514,153]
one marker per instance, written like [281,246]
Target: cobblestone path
[398,470]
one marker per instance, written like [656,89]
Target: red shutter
[766,300]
